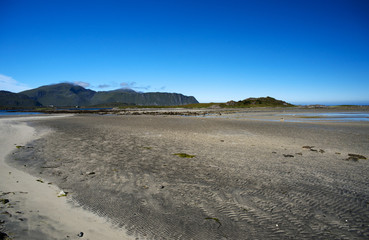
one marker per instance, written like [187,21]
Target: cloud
[103,86]
[132,85]
[82,84]
[128,84]
[9,84]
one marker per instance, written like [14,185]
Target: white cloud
[128,84]
[103,86]
[132,85]
[9,84]
[82,84]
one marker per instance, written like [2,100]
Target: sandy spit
[34,210]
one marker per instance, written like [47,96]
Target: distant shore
[172,177]
[182,111]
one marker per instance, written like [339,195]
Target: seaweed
[354,157]
[308,147]
[184,155]
[4,200]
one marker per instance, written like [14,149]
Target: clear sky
[300,51]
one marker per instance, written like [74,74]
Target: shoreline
[178,111]
[34,210]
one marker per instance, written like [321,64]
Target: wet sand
[240,179]
[31,208]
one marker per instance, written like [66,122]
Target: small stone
[80,234]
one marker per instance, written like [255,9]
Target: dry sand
[247,179]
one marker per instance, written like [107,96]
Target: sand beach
[184,177]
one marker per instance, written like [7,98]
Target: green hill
[63,94]
[66,94]
[9,100]
[259,102]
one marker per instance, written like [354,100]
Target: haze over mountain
[66,94]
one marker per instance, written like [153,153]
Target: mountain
[63,94]
[259,102]
[66,94]
[9,100]
[143,99]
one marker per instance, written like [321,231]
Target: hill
[9,100]
[259,102]
[66,94]
[63,94]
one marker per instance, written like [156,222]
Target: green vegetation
[259,102]
[67,95]
[184,155]
[9,100]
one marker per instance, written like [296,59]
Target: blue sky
[301,51]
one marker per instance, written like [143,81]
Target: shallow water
[300,117]
[12,113]
[335,117]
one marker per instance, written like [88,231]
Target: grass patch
[184,155]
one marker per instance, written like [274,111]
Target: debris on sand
[308,147]
[354,157]
[4,236]
[62,194]
[4,200]
[288,155]
[80,234]
[215,219]
[184,155]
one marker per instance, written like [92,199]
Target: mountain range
[70,95]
